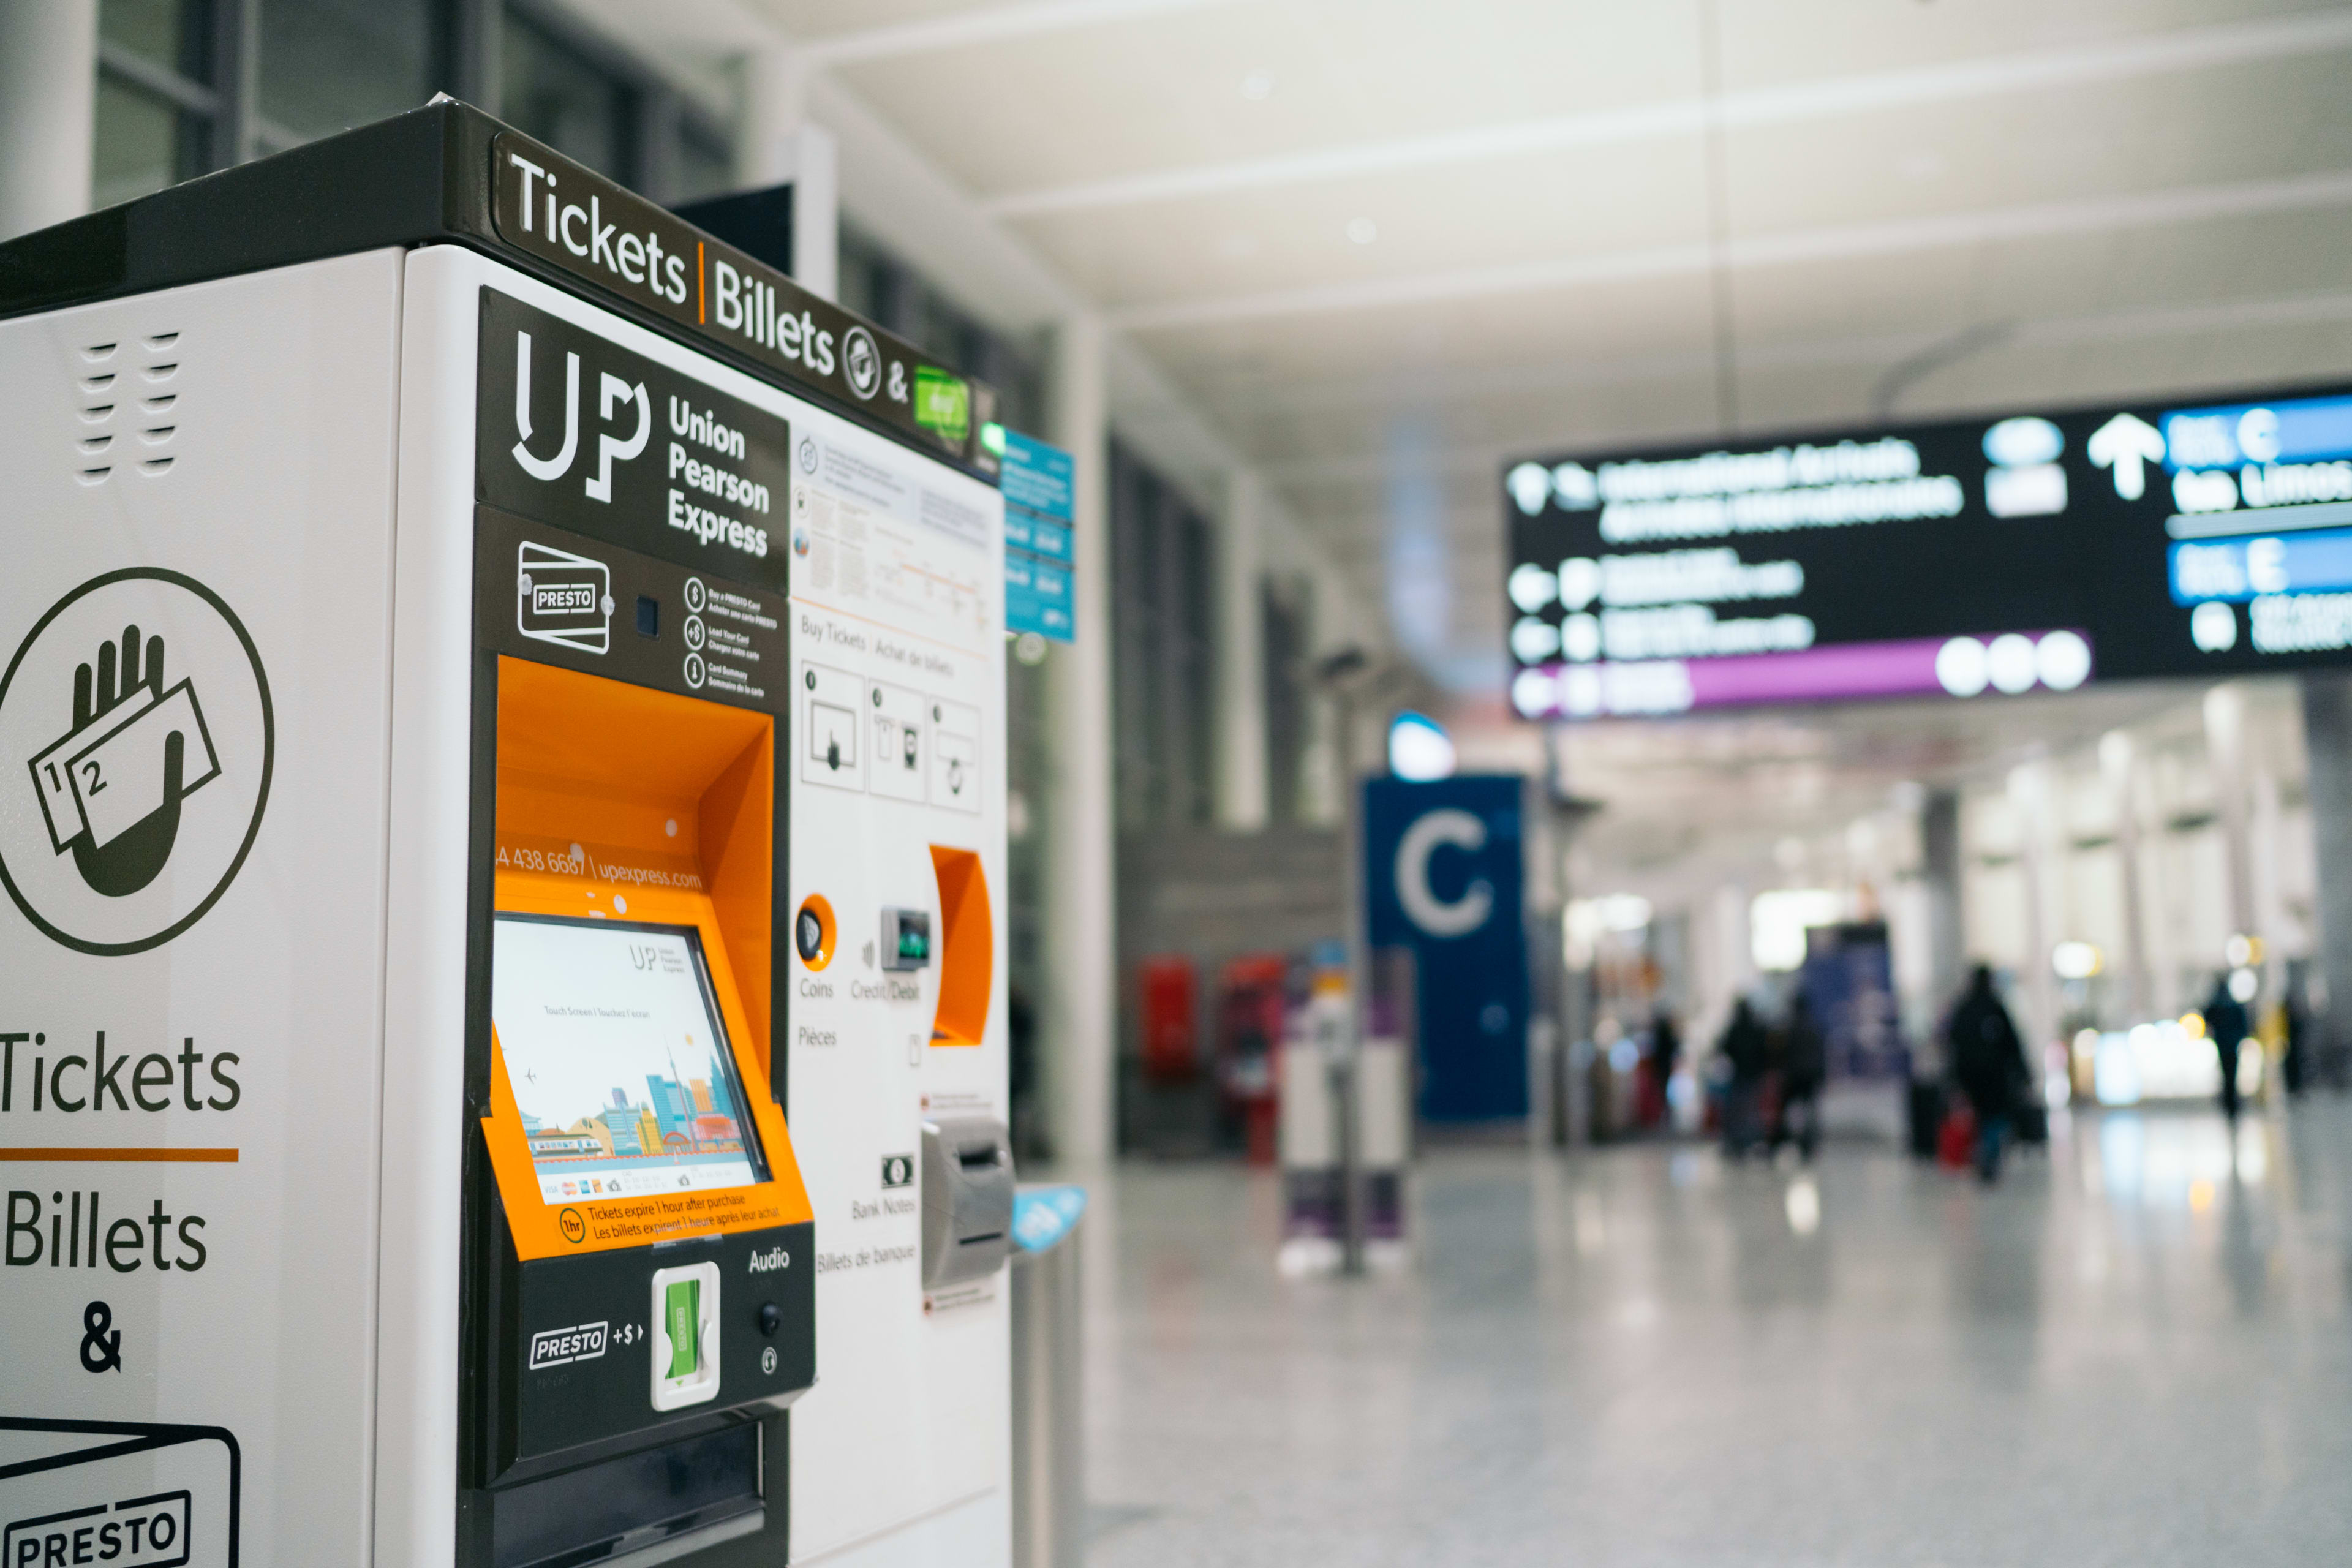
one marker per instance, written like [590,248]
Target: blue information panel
[1444,875]
[1039,496]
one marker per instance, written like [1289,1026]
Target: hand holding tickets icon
[111,788]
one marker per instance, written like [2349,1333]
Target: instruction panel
[897,996]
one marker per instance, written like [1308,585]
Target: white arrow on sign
[2127,444]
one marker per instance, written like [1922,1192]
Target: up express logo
[575,430]
[136,745]
[611,392]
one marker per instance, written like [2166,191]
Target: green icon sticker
[684,1311]
[942,403]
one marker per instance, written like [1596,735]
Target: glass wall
[329,65]
[554,91]
[879,287]
[156,106]
[1287,607]
[706,164]
[186,86]
[1162,620]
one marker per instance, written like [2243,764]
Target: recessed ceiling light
[1258,86]
[1364,230]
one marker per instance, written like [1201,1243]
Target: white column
[2119,766]
[1728,966]
[1079,1015]
[48,109]
[774,108]
[2032,790]
[1326,772]
[2266,843]
[2327,743]
[1241,659]
[775,144]
[817,212]
[2225,750]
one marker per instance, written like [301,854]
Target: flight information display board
[1965,559]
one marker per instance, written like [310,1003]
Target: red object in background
[1171,1020]
[1650,1093]
[1252,1002]
[1956,1142]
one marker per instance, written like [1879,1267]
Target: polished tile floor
[2136,1350]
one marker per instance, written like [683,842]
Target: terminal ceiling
[1382,244]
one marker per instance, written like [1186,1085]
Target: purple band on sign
[1818,674]
[2008,663]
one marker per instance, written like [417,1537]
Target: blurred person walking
[2294,1068]
[1989,1065]
[1804,1066]
[1666,1042]
[1665,1054]
[1744,1046]
[2227,1025]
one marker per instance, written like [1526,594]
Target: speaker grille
[158,424]
[96,398]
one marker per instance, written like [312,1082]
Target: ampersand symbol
[100,1351]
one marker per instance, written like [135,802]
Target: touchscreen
[619,1065]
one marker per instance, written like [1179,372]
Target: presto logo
[562,1347]
[563,598]
[614,398]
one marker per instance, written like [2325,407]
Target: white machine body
[231,1094]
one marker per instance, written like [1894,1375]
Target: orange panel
[967,947]
[641,806]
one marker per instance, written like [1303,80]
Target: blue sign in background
[2242,569]
[1036,596]
[1040,506]
[1445,875]
[2291,430]
[1038,478]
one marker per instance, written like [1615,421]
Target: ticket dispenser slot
[967,1198]
[642,1274]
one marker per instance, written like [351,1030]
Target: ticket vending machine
[501,810]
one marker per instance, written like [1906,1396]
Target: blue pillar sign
[1039,514]
[1443,875]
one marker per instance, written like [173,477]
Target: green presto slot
[685,1315]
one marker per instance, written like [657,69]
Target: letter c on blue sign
[1423,908]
